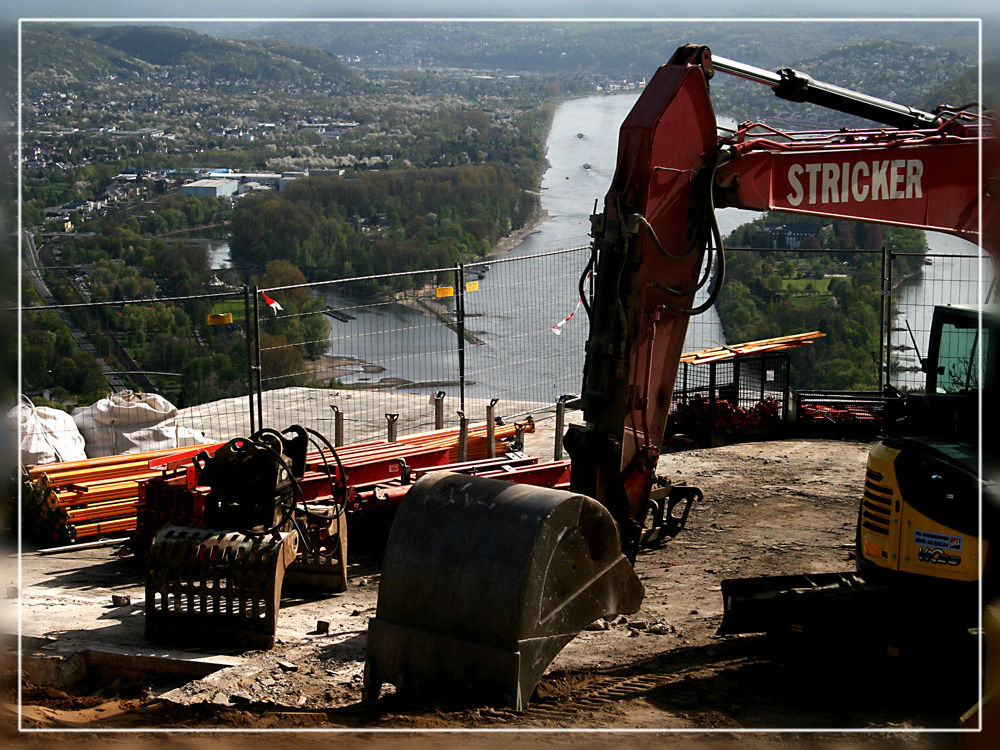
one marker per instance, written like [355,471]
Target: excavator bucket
[205,586]
[485,581]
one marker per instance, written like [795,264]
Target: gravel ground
[777,507]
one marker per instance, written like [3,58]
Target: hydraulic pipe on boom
[798,87]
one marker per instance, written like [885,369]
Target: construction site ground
[777,507]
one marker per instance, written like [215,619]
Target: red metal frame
[673,169]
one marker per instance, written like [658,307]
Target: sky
[988,10]
[13,9]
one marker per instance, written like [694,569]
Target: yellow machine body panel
[897,537]
[879,521]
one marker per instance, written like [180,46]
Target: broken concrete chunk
[599,624]
[322,627]
[638,625]
[661,628]
[287,666]
[121,600]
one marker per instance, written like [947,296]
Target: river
[520,298]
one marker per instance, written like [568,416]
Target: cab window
[958,358]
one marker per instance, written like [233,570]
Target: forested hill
[606,49]
[793,288]
[67,53]
[382,222]
[964,88]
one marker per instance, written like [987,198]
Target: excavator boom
[482,585]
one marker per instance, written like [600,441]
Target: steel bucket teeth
[205,586]
[484,582]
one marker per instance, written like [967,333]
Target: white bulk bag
[45,435]
[127,422]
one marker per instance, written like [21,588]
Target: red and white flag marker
[556,329]
[273,304]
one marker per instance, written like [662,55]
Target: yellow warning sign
[472,286]
[445,291]
[219,319]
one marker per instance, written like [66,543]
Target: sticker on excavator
[205,586]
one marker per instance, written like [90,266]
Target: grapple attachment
[485,581]
[322,563]
[215,587]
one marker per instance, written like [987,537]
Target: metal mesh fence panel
[369,346]
[141,375]
[918,285]
[529,329]
[508,328]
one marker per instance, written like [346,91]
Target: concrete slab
[73,632]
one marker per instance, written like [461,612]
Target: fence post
[711,395]
[884,331]
[390,420]
[557,452]
[257,366]
[491,430]
[439,410]
[338,426]
[463,437]
[888,345]
[460,326]
[247,334]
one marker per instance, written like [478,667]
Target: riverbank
[511,241]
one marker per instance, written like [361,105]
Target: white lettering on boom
[829,182]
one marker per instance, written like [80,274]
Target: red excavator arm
[483,581]
[650,242]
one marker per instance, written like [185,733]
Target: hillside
[53,57]
[70,54]
[965,88]
[613,49]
